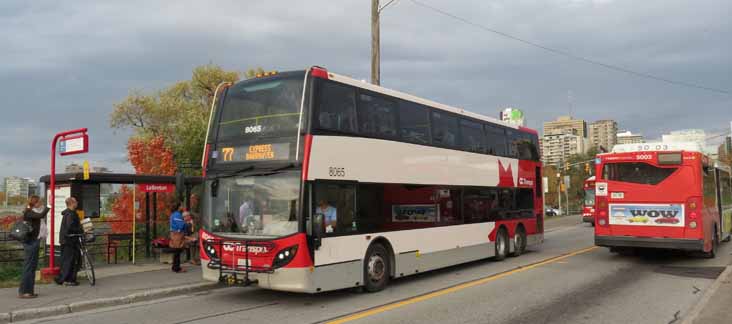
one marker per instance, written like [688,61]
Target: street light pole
[375,43]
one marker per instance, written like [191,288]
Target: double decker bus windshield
[259,205]
[264,108]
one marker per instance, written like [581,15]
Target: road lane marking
[448,290]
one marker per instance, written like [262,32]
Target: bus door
[724,202]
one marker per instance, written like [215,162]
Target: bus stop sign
[74,145]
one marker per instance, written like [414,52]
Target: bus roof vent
[658,146]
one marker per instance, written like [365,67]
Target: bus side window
[376,116]
[496,137]
[337,107]
[337,203]
[444,129]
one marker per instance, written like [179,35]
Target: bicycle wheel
[88,267]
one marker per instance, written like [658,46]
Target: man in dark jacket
[34,212]
[70,253]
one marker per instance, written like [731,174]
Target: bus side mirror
[316,229]
[318,225]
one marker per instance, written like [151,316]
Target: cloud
[63,65]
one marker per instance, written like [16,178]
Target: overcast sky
[63,64]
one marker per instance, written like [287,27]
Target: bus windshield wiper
[237,172]
[268,172]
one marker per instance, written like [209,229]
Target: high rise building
[566,125]
[16,187]
[557,148]
[628,137]
[32,187]
[603,134]
[101,169]
[686,135]
[74,168]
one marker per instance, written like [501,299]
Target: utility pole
[375,44]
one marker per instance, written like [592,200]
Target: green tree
[178,113]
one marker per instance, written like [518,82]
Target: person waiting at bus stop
[330,215]
[177,236]
[70,249]
[35,213]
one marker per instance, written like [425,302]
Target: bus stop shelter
[89,193]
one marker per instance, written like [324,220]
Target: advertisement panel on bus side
[647,214]
[415,213]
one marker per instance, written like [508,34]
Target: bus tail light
[601,211]
[319,72]
[692,208]
[306,156]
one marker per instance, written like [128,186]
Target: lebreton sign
[156,187]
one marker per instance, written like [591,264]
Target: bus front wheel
[376,268]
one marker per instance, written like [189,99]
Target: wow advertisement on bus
[647,214]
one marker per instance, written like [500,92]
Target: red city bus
[588,207]
[661,195]
[315,181]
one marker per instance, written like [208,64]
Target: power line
[570,55]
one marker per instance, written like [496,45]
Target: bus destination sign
[256,152]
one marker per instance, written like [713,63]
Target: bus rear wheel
[713,251]
[519,241]
[501,244]
[376,268]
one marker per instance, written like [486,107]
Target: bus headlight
[208,247]
[601,222]
[692,224]
[284,257]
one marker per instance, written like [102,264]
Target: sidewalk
[716,309]
[117,284]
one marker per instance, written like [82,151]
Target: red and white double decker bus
[588,206]
[661,195]
[315,181]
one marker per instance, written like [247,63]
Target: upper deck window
[376,116]
[337,107]
[472,137]
[414,120]
[444,129]
[268,107]
[635,172]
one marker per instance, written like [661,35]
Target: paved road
[564,281]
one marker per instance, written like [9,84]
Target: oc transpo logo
[257,249]
[526,182]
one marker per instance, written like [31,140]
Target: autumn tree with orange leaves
[169,129]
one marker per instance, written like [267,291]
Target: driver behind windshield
[251,212]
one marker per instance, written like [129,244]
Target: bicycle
[86,262]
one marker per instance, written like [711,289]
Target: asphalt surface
[565,280]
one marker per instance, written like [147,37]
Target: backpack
[21,231]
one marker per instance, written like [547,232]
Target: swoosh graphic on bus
[505,175]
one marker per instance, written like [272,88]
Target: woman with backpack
[34,214]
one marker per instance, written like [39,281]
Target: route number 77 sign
[74,145]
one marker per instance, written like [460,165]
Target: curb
[36,313]
[699,307]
